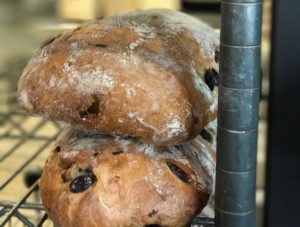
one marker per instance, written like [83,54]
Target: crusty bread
[94,180]
[148,74]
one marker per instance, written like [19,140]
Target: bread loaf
[148,74]
[93,180]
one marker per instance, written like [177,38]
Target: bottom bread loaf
[99,180]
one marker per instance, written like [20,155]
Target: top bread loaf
[148,74]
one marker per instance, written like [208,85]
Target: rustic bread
[148,74]
[98,180]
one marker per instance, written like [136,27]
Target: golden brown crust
[144,78]
[135,183]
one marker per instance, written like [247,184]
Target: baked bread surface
[149,74]
[91,180]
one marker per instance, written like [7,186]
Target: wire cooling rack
[24,143]
[23,149]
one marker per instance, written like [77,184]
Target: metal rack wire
[14,125]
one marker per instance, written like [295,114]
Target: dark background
[282,207]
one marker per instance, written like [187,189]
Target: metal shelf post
[239,94]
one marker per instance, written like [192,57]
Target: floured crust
[144,78]
[135,182]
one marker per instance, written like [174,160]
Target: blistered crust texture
[131,183]
[142,77]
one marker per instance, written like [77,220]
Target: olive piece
[57,149]
[117,152]
[206,135]
[217,56]
[211,78]
[94,108]
[82,183]
[153,212]
[179,172]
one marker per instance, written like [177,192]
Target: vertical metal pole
[239,94]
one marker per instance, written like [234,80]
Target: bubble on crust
[25,100]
